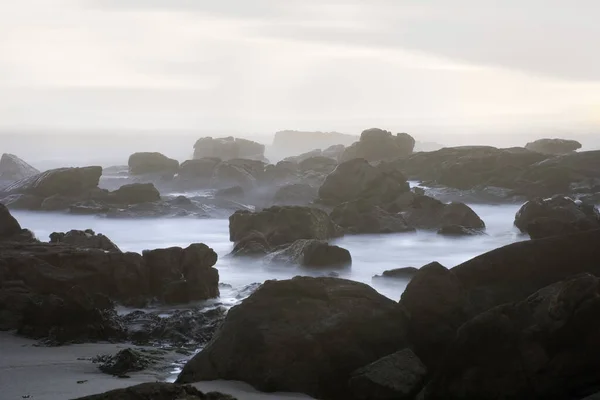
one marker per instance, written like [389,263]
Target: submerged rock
[553,146]
[319,332]
[158,391]
[87,239]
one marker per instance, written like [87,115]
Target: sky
[268,65]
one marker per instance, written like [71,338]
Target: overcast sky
[265,65]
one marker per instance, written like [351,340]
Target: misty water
[371,254]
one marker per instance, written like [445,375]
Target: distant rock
[158,391]
[12,168]
[377,145]
[87,239]
[361,217]
[313,253]
[303,335]
[152,163]
[558,215]
[290,143]
[553,146]
[63,181]
[229,148]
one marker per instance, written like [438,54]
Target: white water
[371,254]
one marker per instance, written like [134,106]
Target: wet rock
[377,144]
[297,194]
[152,163]
[321,330]
[400,273]
[68,182]
[124,362]
[135,193]
[429,213]
[361,217]
[558,215]
[87,239]
[395,377]
[228,148]
[12,168]
[553,146]
[313,253]
[458,230]
[158,391]
[283,225]
[254,244]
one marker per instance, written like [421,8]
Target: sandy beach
[66,372]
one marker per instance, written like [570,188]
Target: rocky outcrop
[398,376]
[283,225]
[361,217]
[152,163]
[553,146]
[358,180]
[158,391]
[429,213]
[228,148]
[87,239]
[296,194]
[12,168]
[321,330]
[558,215]
[377,144]
[69,182]
[313,253]
[543,347]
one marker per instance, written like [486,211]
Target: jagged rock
[358,180]
[558,215]
[553,146]
[313,253]
[319,332]
[124,362]
[135,193]
[429,213]
[297,194]
[361,217]
[158,391]
[228,148]
[398,376]
[12,168]
[376,145]
[283,225]
[69,182]
[401,273]
[152,163]
[87,239]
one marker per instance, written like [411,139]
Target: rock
[157,391]
[87,239]
[254,244]
[361,217]
[313,253]
[321,330]
[400,273]
[334,152]
[56,203]
[558,215]
[12,168]
[290,143]
[297,194]
[283,225]
[234,191]
[227,175]
[124,362]
[553,146]
[429,213]
[543,347]
[319,164]
[435,304]
[228,148]
[199,169]
[282,172]
[152,163]
[458,230]
[22,202]
[376,145]
[395,377]
[69,182]
[358,180]
[135,193]
[9,226]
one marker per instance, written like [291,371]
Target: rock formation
[376,145]
[152,163]
[553,146]
[12,168]
[228,148]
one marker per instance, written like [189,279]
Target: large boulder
[12,168]
[87,239]
[283,225]
[229,148]
[558,215]
[9,226]
[553,146]
[135,193]
[429,213]
[377,145]
[152,163]
[544,347]
[227,174]
[361,217]
[157,391]
[313,253]
[199,171]
[357,179]
[68,182]
[296,194]
[302,335]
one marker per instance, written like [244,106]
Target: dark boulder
[152,163]
[283,225]
[9,226]
[69,182]
[400,273]
[558,215]
[87,239]
[319,332]
[544,347]
[429,213]
[553,146]
[254,244]
[158,391]
[360,217]
[398,376]
[313,253]
[296,194]
[12,168]
[458,230]
[228,148]
[377,144]
[135,193]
